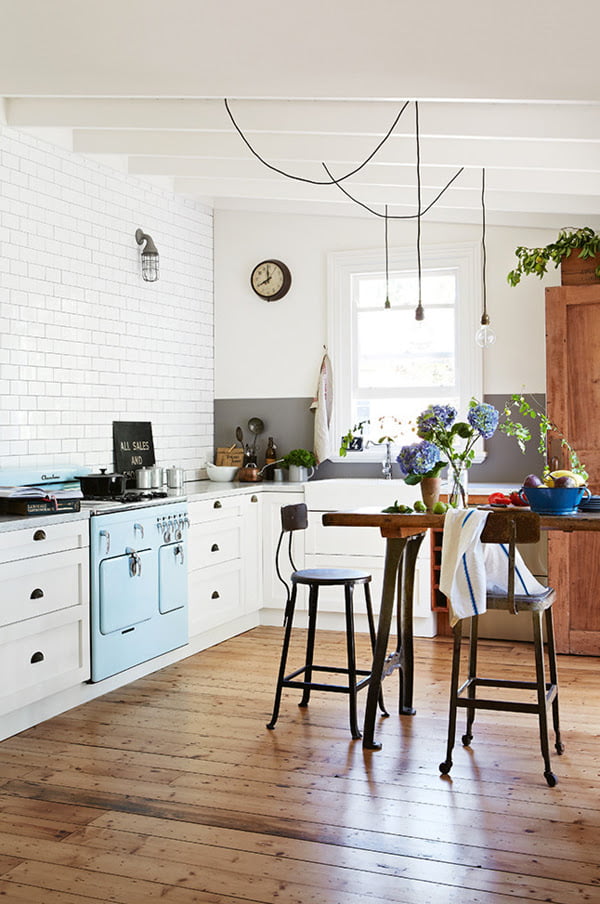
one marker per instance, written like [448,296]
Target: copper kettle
[249,473]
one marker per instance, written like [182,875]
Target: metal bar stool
[509,527]
[293,518]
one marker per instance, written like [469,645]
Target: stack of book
[40,500]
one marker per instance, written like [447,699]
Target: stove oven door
[127,590]
[172,577]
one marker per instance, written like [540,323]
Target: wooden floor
[172,790]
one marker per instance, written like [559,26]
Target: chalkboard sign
[133,448]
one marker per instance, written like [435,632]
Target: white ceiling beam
[495,120]
[344,152]
[399,199]
[433,178]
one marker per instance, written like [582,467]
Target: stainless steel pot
[175,478]
[143,478]
[158,477]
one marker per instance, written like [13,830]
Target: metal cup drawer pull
[215,595]
[39,535]
[37,657]
[214,547]
[36,594]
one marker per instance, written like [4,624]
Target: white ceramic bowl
[221,473]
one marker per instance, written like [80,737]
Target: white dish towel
[323,405]
[470,568]
[462,573]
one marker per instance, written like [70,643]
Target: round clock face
[271,280]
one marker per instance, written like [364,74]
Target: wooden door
[573,402]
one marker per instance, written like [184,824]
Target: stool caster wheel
[466,740]
[551,779]
[560,748]
[445,767]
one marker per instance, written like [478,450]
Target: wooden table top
[397,525]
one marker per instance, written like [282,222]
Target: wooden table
[403,535]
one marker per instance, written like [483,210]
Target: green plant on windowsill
[301,458]
[535,261]
[352,441]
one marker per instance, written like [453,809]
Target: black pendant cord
[403,216]
[485,317]
[419,312]
[331,179]
[387,262]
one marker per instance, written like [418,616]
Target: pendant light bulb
[485,335]
[419,313]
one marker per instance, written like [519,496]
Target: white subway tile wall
[83,339]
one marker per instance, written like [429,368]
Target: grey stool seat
[509,527]
[293,518]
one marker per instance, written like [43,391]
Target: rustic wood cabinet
[573,403]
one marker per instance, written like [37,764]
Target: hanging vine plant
[535,261]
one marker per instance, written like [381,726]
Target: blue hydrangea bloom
[435,417]
[418,458]
[484,418]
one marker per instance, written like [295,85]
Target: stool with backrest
[294,518]
[509,528]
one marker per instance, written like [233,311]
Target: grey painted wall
[290,422]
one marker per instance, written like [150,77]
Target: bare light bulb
[485,335]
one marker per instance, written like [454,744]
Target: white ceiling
[513,87]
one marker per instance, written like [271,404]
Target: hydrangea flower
[435,417]
[483,418]
[418,459]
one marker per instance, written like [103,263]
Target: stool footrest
[290,680]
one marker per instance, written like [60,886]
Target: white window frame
[342,266]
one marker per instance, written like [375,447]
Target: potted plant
[576,250]
[299,462]
[353,440]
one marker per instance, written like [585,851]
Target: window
[387,365]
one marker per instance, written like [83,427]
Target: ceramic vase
[431,488]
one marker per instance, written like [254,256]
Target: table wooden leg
[405,625]
[393,557]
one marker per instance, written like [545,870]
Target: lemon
[579,480]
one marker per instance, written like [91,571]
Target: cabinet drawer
[211,544]
[43,585]
[348,541]
[209,510]
[215,597]
[50,657]
[39,541]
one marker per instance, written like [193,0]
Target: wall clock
[271,280]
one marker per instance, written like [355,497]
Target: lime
[440,508]
[420,506]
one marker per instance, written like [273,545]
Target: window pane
[395,351]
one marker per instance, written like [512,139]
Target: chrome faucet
[386,467]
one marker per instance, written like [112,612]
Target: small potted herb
[353,440]
[582,246]
[299,462]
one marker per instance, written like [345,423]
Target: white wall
[273,350]
[84,340]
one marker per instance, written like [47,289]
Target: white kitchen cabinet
[273,591]
[356,547]
[223,565]
[44,612]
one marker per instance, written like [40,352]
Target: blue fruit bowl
[554,500]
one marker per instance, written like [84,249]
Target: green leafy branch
[522,433]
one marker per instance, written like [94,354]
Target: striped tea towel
[463,575]
[495,557]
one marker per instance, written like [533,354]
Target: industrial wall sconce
[149,256]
